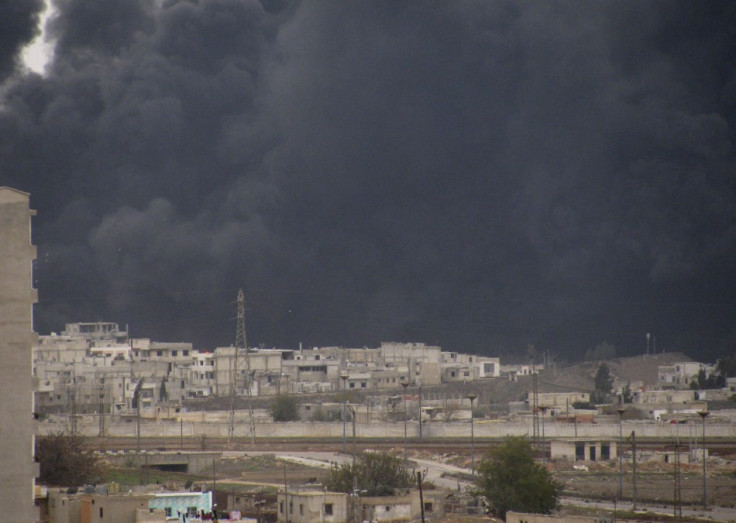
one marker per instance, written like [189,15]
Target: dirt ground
[266,469]
[655,482]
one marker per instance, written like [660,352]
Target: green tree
[726,367]
[603,384]
[715,380]
[284,408]
[319,414]
[137,393]
[626,394]
[378,474]
[65,461]
[163,394]
[510,480]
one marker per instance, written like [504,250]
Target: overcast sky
[481,175]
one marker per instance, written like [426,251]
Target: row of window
[160,353]
[328,508]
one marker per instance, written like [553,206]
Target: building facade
[17,339]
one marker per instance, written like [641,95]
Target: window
[192,511]
[428,506]
[301,509]
[159,353]
[605,452]
[388,509]
[328,509]
[101,513]
[168,512]
[281,507]
[363,385]
[185,353]
[174,353]
[352,385]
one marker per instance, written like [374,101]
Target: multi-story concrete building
[99,330]
[680,375]
[17,339]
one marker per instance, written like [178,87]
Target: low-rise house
[560,402]
[583,450]
[312,505]
[105,505]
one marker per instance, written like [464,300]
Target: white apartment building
[681,375]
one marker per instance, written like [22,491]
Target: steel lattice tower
[240,329]
[234,363]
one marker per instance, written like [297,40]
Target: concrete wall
[89,425]
[17,296]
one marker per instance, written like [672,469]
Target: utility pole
[633,484]
[405,384]
[137,400]
[535,398]
[472,397]
[544,444]
[703,414]
[620,452]
[420,410]
[102,408]
[344,377]
[678,484]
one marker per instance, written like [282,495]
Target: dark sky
[480,175]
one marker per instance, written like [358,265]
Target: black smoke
[482,175]
[18,27]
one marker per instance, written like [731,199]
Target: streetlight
[344,376]
[472,397]
[620,457]
[704,414]
[405,384]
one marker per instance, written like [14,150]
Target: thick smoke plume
[482,175]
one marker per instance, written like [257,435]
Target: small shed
[583,450]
